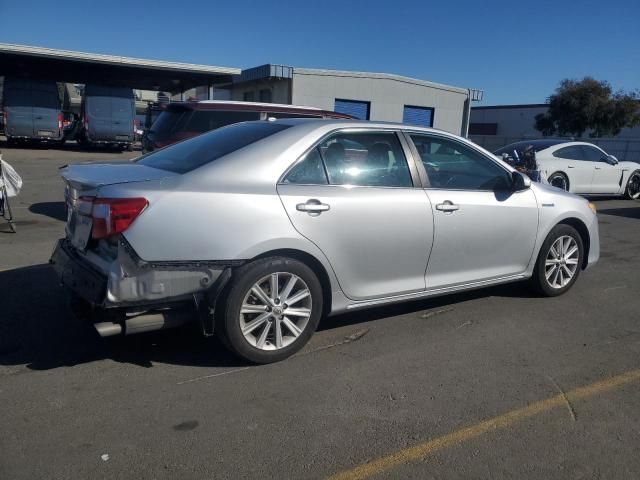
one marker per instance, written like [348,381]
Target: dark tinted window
[366,159]
[592,154]
[173,121]
[205,120]
[570,153]
[195,152]
[309,171]
[168,121]
[454,166]
[99,107]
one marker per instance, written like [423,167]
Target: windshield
[198,151]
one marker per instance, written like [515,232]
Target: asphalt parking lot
[496,383]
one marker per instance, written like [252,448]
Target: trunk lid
[85,180]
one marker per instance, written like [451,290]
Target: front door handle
[447,206]
[598,168]
[313,207]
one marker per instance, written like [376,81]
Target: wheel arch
[314,264]
[564,174]
[583,231]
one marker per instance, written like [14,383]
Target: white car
[578,167]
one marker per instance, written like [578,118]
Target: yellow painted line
[422,450]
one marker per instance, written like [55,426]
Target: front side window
[592,154]
[453,166]
[373,159]
[190,154]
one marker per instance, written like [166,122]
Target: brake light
[114,215]
[59,121]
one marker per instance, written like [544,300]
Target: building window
[265,95]
[356,108]
[248,96]
[421,116]
[483,128]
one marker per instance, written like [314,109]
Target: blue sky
[515,51]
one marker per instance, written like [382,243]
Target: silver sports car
[260,229]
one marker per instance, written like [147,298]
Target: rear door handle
[312,207]
[570,166]
[598,168]
[447,206]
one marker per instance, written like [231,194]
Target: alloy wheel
[562,261]
[275,311]
[633,188]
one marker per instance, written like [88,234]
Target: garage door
[422,116]
[355,108]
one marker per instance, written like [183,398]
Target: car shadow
[55,210]
[37,328]
[629,212]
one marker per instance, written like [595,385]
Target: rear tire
[559,180]
[632,191]
[559,261]
[252,320]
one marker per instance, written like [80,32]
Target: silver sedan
[260,229]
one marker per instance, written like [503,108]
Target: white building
[370,96]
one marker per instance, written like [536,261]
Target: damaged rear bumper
[128,280]
[127,287]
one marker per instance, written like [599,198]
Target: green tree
[588,104]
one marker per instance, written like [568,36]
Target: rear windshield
[193,153]
[110,107]
[173,121]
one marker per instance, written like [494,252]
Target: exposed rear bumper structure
[128,295]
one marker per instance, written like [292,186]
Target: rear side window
[570,153]
[186,156]
[203,120]
[309,171]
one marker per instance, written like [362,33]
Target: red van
[182,120]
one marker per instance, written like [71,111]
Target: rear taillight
[59,121]
[113,215]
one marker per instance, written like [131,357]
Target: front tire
[271,310]
[632,192]
[559,261]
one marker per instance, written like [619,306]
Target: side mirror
[519,181]
[611,160]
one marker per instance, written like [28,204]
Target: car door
[606,177]
[571,161]
[353,195]
[482,229]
